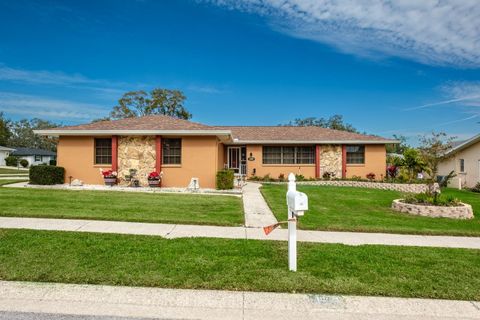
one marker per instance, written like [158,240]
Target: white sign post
[297,203]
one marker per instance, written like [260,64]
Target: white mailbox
[297,202]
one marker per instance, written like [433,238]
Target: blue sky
[403,68]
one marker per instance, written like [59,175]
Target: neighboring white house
[4,152]
[34,156]
[464,159]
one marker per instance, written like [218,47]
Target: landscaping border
[402,187]
[463,211]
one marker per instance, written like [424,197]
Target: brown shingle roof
[152,122]
[290,133]
[240,134]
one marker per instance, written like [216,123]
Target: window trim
[35,158]
[164,153]
[355,163]
[95,152]
[296,157]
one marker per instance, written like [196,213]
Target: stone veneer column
[158,154]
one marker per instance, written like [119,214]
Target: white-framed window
[461,165]
[288,155]
[38,158]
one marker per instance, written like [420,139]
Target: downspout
[115,153]
[317,161]
[158,156]
[344,161]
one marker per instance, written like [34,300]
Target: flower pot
[154,183]
[110,181]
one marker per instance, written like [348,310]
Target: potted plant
[109,177]
[154,179]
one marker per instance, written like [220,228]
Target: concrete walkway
[257,212]
[171,231]
[209,304]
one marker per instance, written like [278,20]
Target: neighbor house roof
[460,145]
[32,152]
[2,148]
[164,125]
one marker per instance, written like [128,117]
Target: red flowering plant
[392,171]
[108,173]
[154,176]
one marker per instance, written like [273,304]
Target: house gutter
[59,132]
[235,141]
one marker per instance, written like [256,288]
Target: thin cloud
[44,107]
[427,31]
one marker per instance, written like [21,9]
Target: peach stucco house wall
[183,150]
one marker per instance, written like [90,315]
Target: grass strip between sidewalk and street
[228,264]
[122,206]
[369,210]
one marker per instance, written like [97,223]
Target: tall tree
[23,136]
[334,122]
[5,132]
[398,147]
[158,101]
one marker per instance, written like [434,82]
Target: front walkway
[182,231]
[257,212]
[116,301]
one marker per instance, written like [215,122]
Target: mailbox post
[297,203]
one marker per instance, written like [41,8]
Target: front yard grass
[4,182]
[13,171]
[368,210]
[122,206]
[229,264]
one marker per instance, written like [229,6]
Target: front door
[236,159]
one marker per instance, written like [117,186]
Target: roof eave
[235,141]
[203,132]
[464,145]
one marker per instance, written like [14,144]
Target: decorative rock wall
[136,153]
[331,160]
[461,212]
[402,187]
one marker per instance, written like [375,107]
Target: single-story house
[464,159]
[4,152]
[183,149]
[34,156]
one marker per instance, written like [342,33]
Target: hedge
[47,175]
[24,163]
[11,161]
[225,179]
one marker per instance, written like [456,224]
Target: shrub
[53,162]
[11,161]
[47,175]
[371,176]
[326,175]
[24,163]
[476,188]
[432,199]
[281,177]
[299,177]
[225,179]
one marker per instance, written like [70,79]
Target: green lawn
[13,171]
[124,206]
[368,210]
[228,264]
[10,181]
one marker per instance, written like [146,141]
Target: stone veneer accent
[136,153]
[402,187]
[331,159]
[460,212]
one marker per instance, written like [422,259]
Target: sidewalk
[257,212]
[171,231]
[210,304]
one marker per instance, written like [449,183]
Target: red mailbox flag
[270,228]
